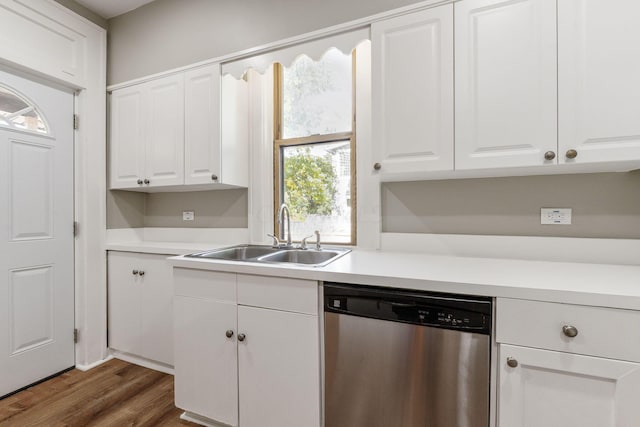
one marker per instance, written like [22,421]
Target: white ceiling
[110,8]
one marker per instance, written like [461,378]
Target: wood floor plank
[115,393]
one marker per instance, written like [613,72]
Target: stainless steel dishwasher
[401,358]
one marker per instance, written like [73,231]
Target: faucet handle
[276,241]
[318,247]
[303,244]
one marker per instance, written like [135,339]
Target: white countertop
[577,283]
[162,248]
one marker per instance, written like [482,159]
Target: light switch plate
[188,215]
[555,216]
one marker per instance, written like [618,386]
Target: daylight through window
[17,113]
[315,146]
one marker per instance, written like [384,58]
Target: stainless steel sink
[303,256]
[272,255]
[237,253]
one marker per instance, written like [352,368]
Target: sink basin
[237,253]
[302,256]
[270,255]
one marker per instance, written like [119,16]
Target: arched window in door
[17,112]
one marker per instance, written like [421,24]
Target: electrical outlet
[555,216]
[188,215]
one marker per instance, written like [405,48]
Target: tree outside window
[314,146]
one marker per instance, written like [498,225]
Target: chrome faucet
[284,209]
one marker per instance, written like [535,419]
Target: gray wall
[213,209]
[167,34]
[84,12]
[605,205]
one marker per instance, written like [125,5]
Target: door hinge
[76,121]
[75,228]
[75,335]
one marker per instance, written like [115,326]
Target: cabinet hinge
[76,121]
[75,335]
[75,228]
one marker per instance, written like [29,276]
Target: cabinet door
[164,143]
[206,370]
[125,290]
[599,80]
[505,76]
[202,125]
[412,79]
[549,388]
[156,308]
[126,143]
[234,133]
[279,374]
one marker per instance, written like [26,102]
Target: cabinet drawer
[603,332]
[279,293]
[205,284]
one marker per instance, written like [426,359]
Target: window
[314,150]
[17,112]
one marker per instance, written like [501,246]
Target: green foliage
[309,184]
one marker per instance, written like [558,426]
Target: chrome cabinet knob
[241,337]
[549,155]
[511,362]
[229,333]
[571,154]
[570,331]
[141,272]
[214,177]
[140,182]
[377,166]
[135,272]
[146,181]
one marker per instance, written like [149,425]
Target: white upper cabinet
[181,132]
[127,137]
[164,143]
[599,80]
[202,125]
[216,128]
[234,132]
[147,134]
[505,74]
[412,78]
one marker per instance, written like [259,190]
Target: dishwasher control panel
[409,307]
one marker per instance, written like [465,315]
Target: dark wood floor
[115,393]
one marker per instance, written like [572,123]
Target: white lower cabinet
[140,305]
[206,380]
[575,377]
[246,360]
[545,388]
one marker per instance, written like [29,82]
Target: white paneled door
[36,232]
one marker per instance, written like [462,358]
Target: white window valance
[314,49]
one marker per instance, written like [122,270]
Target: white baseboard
[203,421]
[146,363]
[85,368]
[563,249]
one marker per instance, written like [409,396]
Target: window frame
[279,143]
